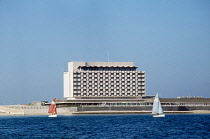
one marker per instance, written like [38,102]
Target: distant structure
[191,97]
[103,79]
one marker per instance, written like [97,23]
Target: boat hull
[160,115]
[52,116]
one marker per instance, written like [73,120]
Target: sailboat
[52,109]
[157,108]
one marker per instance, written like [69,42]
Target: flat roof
[109,66]
[103,64]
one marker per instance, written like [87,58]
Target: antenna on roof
[108,56]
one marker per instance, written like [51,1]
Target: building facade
[103,79]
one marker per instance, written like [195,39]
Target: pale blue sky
[170,40]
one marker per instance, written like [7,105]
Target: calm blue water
[105,126]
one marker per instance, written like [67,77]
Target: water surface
[105,126]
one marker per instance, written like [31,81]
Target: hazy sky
[170,40]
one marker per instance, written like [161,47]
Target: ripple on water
[106,126]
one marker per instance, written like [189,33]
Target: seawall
[143,108]
[36,110]
[43,110]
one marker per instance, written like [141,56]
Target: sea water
[106,126]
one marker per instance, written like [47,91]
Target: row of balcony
[109,71]
[109,91]
[132,75]
[110,87]
[110,82]
[109,79]
[102,95]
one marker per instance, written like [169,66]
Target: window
[76,89]
[76,73]
[140,77]
[77,86]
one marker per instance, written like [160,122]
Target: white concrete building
[103,79]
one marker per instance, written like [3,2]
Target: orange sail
[52,108]
[54,111]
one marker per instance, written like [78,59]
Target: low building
[171,105]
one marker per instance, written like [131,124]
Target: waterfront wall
[143,108]
[60,111]
[43,110]
[33,110]
[11,111]
[185,108]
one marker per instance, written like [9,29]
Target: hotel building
[103,80]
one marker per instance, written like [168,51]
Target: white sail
[160,110]
[157,106]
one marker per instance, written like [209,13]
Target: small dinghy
[52,109]
[157,108]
